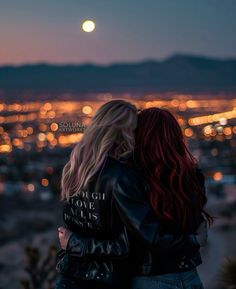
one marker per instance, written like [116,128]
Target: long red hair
[176,194]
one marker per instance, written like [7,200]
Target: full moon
[88,26]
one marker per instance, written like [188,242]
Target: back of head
[110,132]
[161,153]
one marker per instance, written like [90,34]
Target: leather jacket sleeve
[83,246]
[130,198]
[130,195]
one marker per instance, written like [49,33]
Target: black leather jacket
[116,234]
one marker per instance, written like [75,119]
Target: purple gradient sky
[127,30]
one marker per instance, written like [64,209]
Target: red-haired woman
[177,194]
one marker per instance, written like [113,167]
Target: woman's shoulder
[125,169]
[123,163]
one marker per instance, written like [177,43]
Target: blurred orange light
[30,130]
[2,119]
[17,142]
[188,132]
[217,176]
[62,140]
[207,130]
[53,142]
[24,133]
[2,106]
[44,182]
[5,148]
[181,121]
[227,131]
[50,136]
[182,106]
[175,102]
[51,114]
[192,104]
[47,106]
[54,126]
[87,109]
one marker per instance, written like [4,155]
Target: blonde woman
[102,235]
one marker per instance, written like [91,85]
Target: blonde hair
[110,132]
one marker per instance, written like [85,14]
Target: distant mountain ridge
[182,73]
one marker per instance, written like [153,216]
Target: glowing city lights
[212,118]
[36,125]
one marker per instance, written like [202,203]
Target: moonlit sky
[126,30]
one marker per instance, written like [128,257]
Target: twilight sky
[126,30]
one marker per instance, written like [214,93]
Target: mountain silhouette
[181,73]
